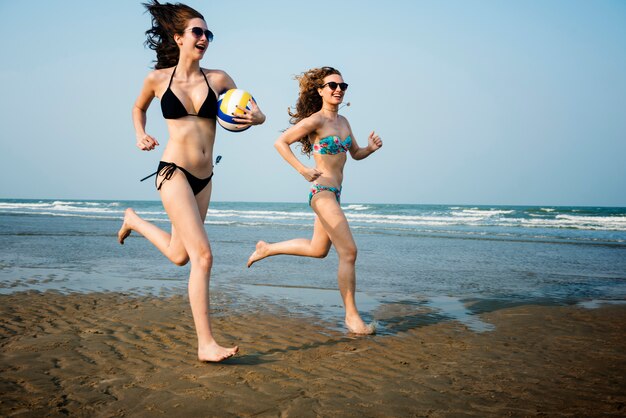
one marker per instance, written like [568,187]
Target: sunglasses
[333,85]
[198,32]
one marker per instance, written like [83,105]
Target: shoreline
[318,304]
[116,355]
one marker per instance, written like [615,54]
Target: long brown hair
[309,100]
[167,20]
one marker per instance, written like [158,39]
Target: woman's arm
[145,142]
[291,135]
[373,144]
[254,116]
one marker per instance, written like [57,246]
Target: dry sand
[115,355]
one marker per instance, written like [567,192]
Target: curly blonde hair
[309,100]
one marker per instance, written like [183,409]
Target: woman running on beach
[328,136]
[188,95]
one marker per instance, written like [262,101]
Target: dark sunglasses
[198,32]
[333,85]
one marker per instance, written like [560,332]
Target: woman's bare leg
[187,213]
[167,243]
[336,226]
[316,247]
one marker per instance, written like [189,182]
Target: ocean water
[450,258]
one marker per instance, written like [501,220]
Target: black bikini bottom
[167,171]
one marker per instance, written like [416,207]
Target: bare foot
[259,253]
[126,229]
[216,353]
[356,325]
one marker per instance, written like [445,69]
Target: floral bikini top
[332,145]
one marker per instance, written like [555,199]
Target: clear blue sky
[478,102]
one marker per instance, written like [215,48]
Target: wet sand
[114,355]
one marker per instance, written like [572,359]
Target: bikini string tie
[167,171]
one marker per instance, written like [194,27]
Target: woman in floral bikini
[320,129]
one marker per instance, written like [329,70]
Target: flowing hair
[309,100]
[167,20]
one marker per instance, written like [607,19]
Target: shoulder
[343,119]
[315,121]
[309,126]
[345,122]
[156,77]
[215,73]
[219,79]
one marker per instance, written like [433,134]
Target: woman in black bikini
[188,95]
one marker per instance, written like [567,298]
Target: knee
[203,260]
[180,260]
[348,254]
[320,252]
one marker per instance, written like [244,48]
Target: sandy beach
[110,354]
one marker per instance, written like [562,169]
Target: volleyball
[227,108]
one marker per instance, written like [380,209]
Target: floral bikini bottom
[316,188]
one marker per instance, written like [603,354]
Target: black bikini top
[173,108]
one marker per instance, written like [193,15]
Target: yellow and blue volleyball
[227,108]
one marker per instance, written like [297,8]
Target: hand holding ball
[227,109]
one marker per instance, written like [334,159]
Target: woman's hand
[374,142]
[146,142]
[311,174]
[254,116]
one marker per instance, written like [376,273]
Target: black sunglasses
[333,85]
[198,32]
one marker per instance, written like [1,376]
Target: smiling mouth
[201,47]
